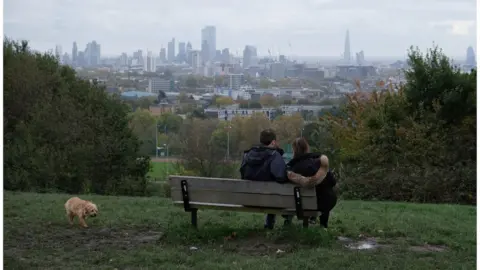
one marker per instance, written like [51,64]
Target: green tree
[191,82]
[63,133]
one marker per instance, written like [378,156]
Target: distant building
[74,54]
[163,55]
[249,56]
[155,85]
[225,56]
[209,36]
[92,54]
[197,62]
[235,81]
[182,53]
[277,71]
[471,60]
[171,51]
[151,67]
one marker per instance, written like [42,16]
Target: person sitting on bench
[308,164]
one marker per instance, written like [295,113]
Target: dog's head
[91,209]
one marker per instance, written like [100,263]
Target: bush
[63,133]
[413,142]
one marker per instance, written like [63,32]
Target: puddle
[371,243]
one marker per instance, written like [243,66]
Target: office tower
[182,55]
[225,56]
[171,51]
[189,53]
[471,60]
[137,58]
[123,60]
[151,67]
[163,55]
[74,54]
[205,52]
[346,53]
[360,58]
[196,62]
[58,53]
[209,35]
[249,55]
[92,54]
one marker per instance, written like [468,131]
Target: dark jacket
[262,163]
[308,165]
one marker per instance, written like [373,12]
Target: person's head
[300,147]
[268,138]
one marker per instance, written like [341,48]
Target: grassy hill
[134,233]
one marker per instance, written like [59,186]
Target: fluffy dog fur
[80,208]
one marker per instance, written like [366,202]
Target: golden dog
[80,208]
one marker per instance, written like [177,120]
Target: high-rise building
[235,81]
[182,54]
[471,59]
[58,53]
[360,57]
[196,62]
[209,35]
[163,55]
[92,54]
[74,54]
[205,51]
[226,56]
[171,51]
[189,53]
[151,67]
[346,53]
[123,61]
[138,58]
[249,56]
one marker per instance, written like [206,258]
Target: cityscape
[206,72]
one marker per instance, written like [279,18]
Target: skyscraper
[346,53]
[249,55]
[471,61]
[92,53]
[189,53]
[151,67]
[171,51]
[58,53]
[209,35]
[163,55]
[74,54]
[182,54]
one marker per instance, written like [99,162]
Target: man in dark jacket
[265,163]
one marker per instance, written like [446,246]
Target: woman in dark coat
[307,164]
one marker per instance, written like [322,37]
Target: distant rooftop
[138,94]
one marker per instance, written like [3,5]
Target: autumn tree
[268,100]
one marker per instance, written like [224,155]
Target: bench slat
[241,208]
[245,199]
[238,186]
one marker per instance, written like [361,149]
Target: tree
[142,123]
[223,101]
[63,133]
[288,127]
[191,82]
[200,150]
[170,122]
[264,83]
[268,100]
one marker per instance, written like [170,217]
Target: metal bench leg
[305,222]
[194,217]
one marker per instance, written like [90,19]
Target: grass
[149,233]
[160,170]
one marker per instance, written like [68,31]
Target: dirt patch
[78,238]
[256,244]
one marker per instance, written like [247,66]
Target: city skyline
[306,28]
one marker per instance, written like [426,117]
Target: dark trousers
[326,200]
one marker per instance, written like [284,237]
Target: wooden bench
[195,193]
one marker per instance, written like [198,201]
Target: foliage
[412,142]
[268,100]
[223,101]
[63,133]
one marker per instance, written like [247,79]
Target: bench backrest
[241,192]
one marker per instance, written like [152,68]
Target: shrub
[63,133]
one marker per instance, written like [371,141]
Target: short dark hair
[267,136]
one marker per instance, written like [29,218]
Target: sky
[381,28]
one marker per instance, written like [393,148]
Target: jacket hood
[297,159]
[257,155]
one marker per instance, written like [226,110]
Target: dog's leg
[81,218]
[70,216]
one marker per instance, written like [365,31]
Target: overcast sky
[312,27]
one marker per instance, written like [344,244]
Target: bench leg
[305,222]
[194,217]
